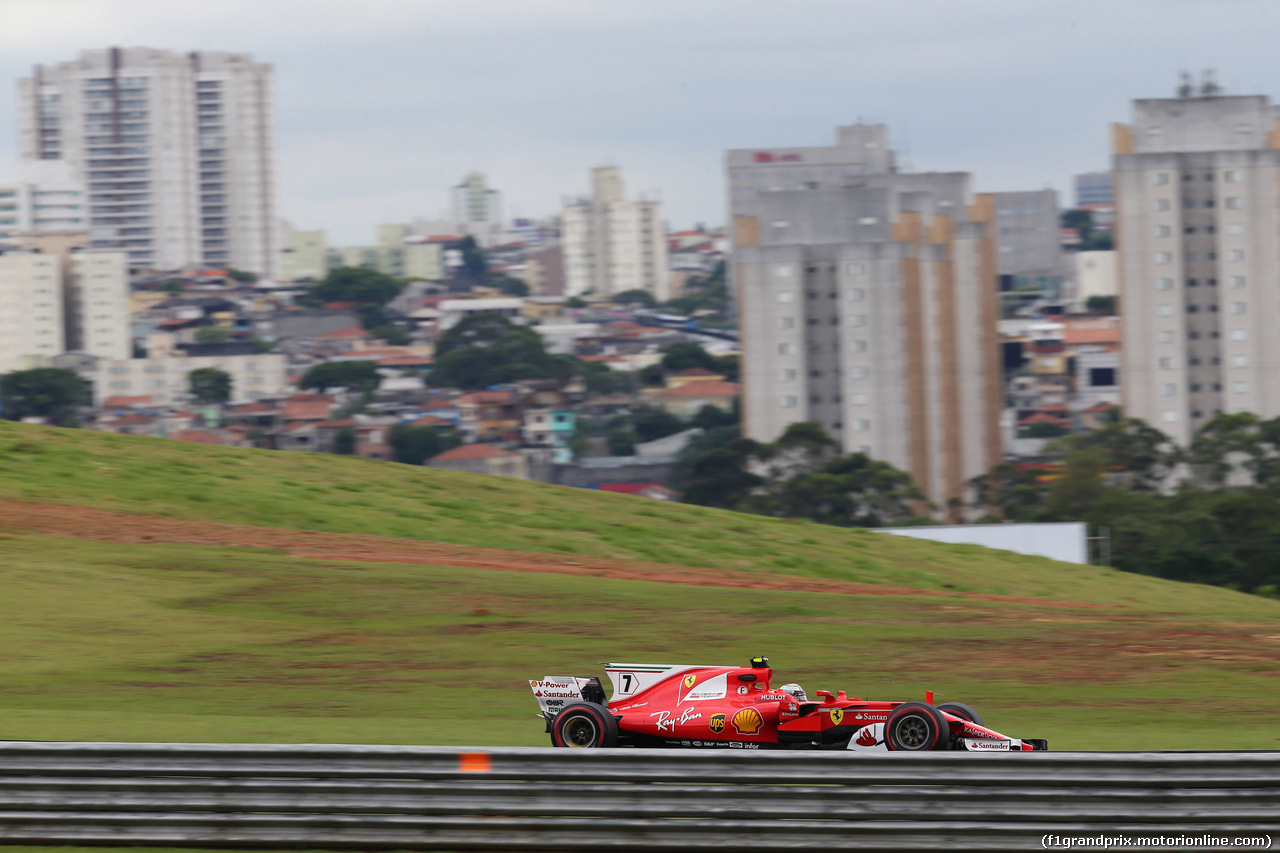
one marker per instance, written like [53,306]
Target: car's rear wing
[553,692]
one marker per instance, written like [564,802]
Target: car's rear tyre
[916,727]
[963,711]
[584,725]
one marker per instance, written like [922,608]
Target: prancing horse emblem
[837,714]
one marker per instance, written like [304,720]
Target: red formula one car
[735,707]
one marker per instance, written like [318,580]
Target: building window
[1161,204]
[786,349]
[857,295]
[1237,281]
[787,374]
[1102,377]
[856,269]
[788,401]
[1234,202]
[1166,337]
[1232,176]
[1163,257]
[1239,334]
[1166,363]
[861,425]
[1164,284]
[1235,228]
[1162,230]
[858,320]
[1159,178]
[782,271]
[1240,361]
[786,322]
[1235,255]
[783,296]
[1169,416]
[1165,310]
[1238,308]
[1240,387]
[1168,389]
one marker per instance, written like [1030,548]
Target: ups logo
[837,714]
[716,723]
[688,681]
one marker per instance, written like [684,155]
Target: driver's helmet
[795,690]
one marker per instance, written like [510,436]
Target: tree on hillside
[1101,304]
[357,284]
[487,349]
[344,442]
[209,385]
[508,285]
[212,335]
[355,375]
[474,264]
[687,355]
[391,333]
[43,392]
[634,297]
[414,445]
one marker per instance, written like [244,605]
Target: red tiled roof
[1091,336]
[122,402]
[627,488]
[442,238]
[1054,407]
[196,436]
[1042,418]
[129,420]
[431,421]
[256,408]
[306,410]
[310,397]
[486,398]
[698,371]
[404,361]
[702,388]
[439,404]
[349,332]
[339,424]
[1097,408]
[473,451]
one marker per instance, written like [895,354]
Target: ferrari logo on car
[716,724]
[837,714]
[747,721]
[688,681]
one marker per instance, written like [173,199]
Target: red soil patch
[103,526]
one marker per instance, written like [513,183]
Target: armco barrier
[425,798]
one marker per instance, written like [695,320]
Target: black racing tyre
[963,711]
[584,725]
[916,727]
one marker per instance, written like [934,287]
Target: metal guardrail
[441,798]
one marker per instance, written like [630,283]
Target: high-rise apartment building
[473,201]
[47,198]
[1196,179]
[1094,188]
[56,296]
[176,151]
[870,308]
[1028,240]
[612,245]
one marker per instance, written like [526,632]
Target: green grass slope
[109,641]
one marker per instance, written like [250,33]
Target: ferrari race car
[735,706]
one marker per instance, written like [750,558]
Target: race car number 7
[626,682]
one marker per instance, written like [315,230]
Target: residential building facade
[871,309]
[1196,181]
[176,151]
[612,245]
[1094,188]
[473,201]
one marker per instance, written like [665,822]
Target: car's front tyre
[916,727]
[584,725]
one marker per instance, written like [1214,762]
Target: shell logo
[837,714]
[688,680]
[747,721]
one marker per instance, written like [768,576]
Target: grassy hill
[198,639]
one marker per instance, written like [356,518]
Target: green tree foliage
[172,287]
[1044,430]
[414,445]
[575,302]
[727,366]
[474,264]
[1100,305]
[621,441]
[357,284]
[43,392]
[212,335]
[509,286]
[601,379]
[391,333]
[639,297]
[703,294]
[209,385]
[712,417]
[356,375]
[650,423]
[802,475]
[242,276]
[486,349]
[344,442]
[688,355]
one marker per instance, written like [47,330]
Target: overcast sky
[382,105]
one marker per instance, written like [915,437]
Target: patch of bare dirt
[103,526]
